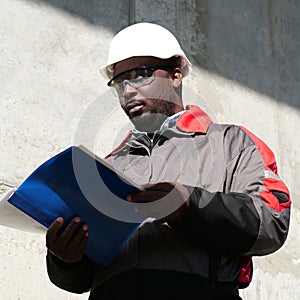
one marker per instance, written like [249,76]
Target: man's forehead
[134,62]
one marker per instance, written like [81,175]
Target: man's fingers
[80,245]
[69,231]
[162,186]
[80,237]
[152,193]
[69,245]
[146,196]
[52,231]
[174,201]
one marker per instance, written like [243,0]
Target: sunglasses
[136,78]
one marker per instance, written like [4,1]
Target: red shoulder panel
[264,150]
[194,120]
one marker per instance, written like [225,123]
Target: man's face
[149,105]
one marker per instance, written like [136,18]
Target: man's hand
[179,194]
[68,245]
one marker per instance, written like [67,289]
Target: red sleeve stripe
[272,182]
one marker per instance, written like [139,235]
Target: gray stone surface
[246,71]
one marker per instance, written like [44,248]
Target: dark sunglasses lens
[136,78]
[132,74]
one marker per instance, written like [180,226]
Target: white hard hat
[144,39]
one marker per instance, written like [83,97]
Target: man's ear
[176,76]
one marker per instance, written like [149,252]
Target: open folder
[77,183]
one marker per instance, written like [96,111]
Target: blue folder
[66,185]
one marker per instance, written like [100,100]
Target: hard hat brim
[107,70]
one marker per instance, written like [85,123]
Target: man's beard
[149,123]
[153,120]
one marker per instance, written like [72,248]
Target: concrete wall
[246,71]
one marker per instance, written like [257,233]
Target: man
[226,202]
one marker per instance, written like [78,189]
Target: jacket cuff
[227,223]
[73,277]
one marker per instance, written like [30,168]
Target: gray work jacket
[239,207]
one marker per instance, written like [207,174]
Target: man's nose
[128,89]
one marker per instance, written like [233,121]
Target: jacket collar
[192,120]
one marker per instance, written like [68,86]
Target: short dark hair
[174,61]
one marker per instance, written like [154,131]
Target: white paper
[12,217]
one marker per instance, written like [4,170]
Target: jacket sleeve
[72,277]
[251,214]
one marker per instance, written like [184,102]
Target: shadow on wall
[104,13]
[254,43]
